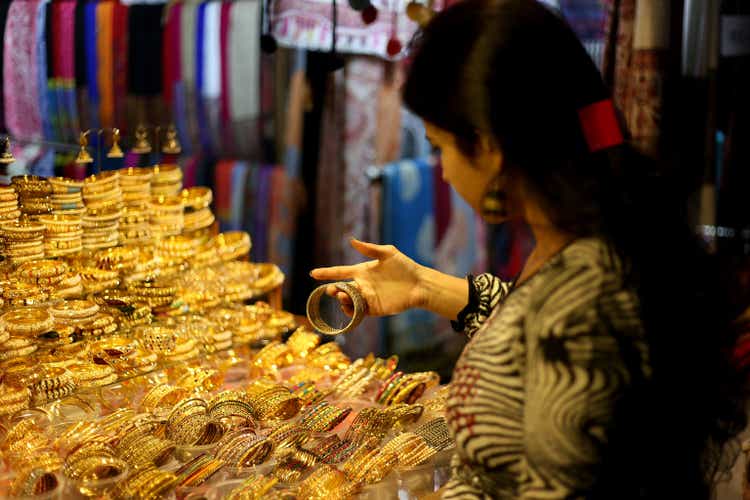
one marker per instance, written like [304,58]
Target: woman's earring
[495,203]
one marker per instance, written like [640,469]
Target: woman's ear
[489,155]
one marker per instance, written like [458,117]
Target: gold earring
[142,146]
[172,144]
[7,157]
[494,203]
[83,157]
[115,151]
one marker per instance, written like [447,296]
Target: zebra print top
[533,396]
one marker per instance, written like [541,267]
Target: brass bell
[83,157]
[142,145]
[172,144]
[7,157]
[115,151]
[420,13]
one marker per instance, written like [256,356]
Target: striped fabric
[532,398]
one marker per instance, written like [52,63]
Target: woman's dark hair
[515,70]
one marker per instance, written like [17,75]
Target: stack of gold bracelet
[435,432]
[162,396]
[229,404]
[63,234]
[197,201]
[147,483]
[102,191]
[274,402]
[13,399]
[326,482]
[101,227]
[232,245]
[329,357]
[271,358]
[37,476]
[254,487]
[189,423]
[166,180]
[23,240]
[200,379]
[33,194]
[243,448]
[9,211]
[198,470]
[93,461]
[97,280]
[120,259]
[323,417]
[136,187]
[135,227]
[67,198]
[90,375]
[288,435]
[144,449]
[55,383]
[167,216]
[406,388]
[410,449]
[302,342]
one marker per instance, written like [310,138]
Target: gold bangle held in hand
[358,303]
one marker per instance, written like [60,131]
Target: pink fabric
[65,62]
[20,74]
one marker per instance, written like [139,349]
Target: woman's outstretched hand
[390,282]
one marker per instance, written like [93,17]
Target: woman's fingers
[373,251]
[334,273]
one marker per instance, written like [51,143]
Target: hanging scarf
[20,71]
[92,64]
[308,25]
[244,75]
[50,118]
[171,53]
[408,223]
[200,68]
[237,205]
[4,7]
[45,109]
[211,90]
[105,69]
[178,102]
[145,49]
[226,8]
[187,71]
[67,67]
[120,65]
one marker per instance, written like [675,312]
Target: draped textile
[145,49]
[45,109]
[308,25]
[225,127]
[186,92]
[640,67]
[4,7]
[211,90]
[244,76]
[92,64]
[409,224]
[65,67]
[21,71]
[120,42]
[105,69]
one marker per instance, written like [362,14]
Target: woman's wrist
[440,293]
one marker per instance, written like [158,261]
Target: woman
[602,370]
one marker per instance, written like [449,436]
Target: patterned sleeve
[585,349]
[485,293]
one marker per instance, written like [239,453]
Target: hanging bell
[83,157]
[7,157]
[115,151]
[172,144]
[420,13]
[142,145]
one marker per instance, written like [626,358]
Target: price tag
[735,36]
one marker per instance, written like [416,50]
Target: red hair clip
[600,126]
